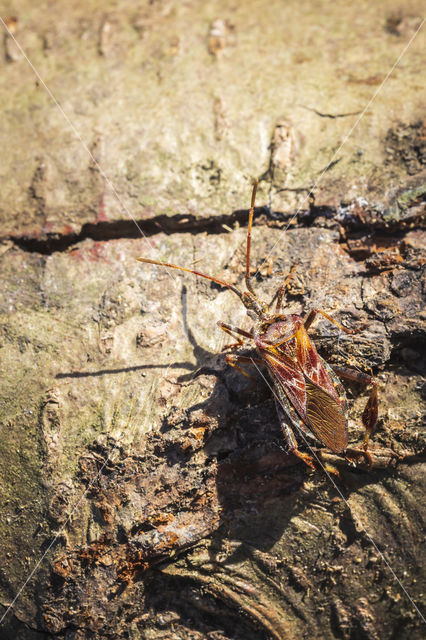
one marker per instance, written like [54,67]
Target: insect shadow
[232,489]
[201,365]
[309,396]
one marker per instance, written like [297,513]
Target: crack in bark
[120,229]
[49,243]
[333,116]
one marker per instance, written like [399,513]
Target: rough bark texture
[145,489]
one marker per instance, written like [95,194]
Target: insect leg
[313,463]
[369,417]
[234,332]
[280,293]
[312,315]
[233,359]
[287,417]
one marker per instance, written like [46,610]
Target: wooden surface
[145,488]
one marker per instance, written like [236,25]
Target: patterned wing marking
[289,377]
[320,409]
[287,413]
[326,418]
[312,364]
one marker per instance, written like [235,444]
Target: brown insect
[309,396]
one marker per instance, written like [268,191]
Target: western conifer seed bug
[309,396]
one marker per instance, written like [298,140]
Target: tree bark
[146,488]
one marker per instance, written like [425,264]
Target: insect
[309,396]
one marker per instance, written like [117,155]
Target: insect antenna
[248,298]
[250,223]
[196,273]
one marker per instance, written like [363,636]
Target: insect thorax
[278,331]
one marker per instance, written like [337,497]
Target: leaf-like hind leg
[313,314]
[234,332]
[371,411]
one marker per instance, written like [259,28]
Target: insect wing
[326,418]
[288,416]
[312,365]
[310,389]
[290,378]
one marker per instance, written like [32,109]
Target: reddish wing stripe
[287,374]
[312,365]
[310,390]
